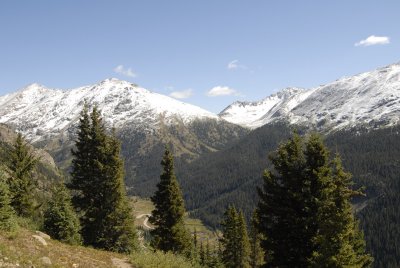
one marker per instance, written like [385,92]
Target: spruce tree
[304,212]
[195,249]
[169,233]
[119,233]
[60,220]
[235,241]
[93,220]
[7,214]
[98,185]
[243,242]
[256,252]
[81,181]
[339,242]
[282,214]
[21,163]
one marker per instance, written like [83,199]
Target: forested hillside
[373,157]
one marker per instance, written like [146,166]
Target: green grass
[149,259]
[145,206]
[21,248]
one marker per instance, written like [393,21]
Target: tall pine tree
[98,186]
[119,232]
[170,233]
[339,242]
[235,241]
[256,252]
[21,163]
[281,211]
[81,180]
[304,212]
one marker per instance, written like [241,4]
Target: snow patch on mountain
[39,112]
[371,98]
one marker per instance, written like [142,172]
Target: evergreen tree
[195,248]
[99,191]
[304,212]
[339,242]
[208,256]
[60,220]
[7,214]
[170,233]
[229,237]
[256,252]
[202,253]
[235,242]
[281,211]
[81,181]
[21,164]
[119,233]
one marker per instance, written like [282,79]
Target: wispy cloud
[373,40]
[234,65]
[120,69]
[184,94]
[222,91]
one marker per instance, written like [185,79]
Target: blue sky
[211,52]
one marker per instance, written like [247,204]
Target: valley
[220,158]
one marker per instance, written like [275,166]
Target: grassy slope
[20,247]
[145,206]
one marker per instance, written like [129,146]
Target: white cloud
[184,94]
[234,65]
[373,40]
[222,91]
[120,69]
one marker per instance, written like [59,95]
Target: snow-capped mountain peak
[370,98]
[255,114]
[38,111]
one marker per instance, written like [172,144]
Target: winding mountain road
[145,220]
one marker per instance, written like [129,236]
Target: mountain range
[369,99]
[220,157]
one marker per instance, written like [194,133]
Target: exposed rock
[45,261]
[40,240]
[41,234]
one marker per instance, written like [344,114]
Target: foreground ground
[30,249]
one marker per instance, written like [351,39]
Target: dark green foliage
[283,216]
[229,176]
[373,158]
[339,242]
[60,220]
[380,220]
[142,152]
[99,191]
[7,214]
[304,210]
[81,183]
[21,163]
[256,252]
[202,255]
[170,233]
[235,241]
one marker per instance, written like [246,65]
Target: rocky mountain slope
[370,99]
[41,113]
[144,121]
